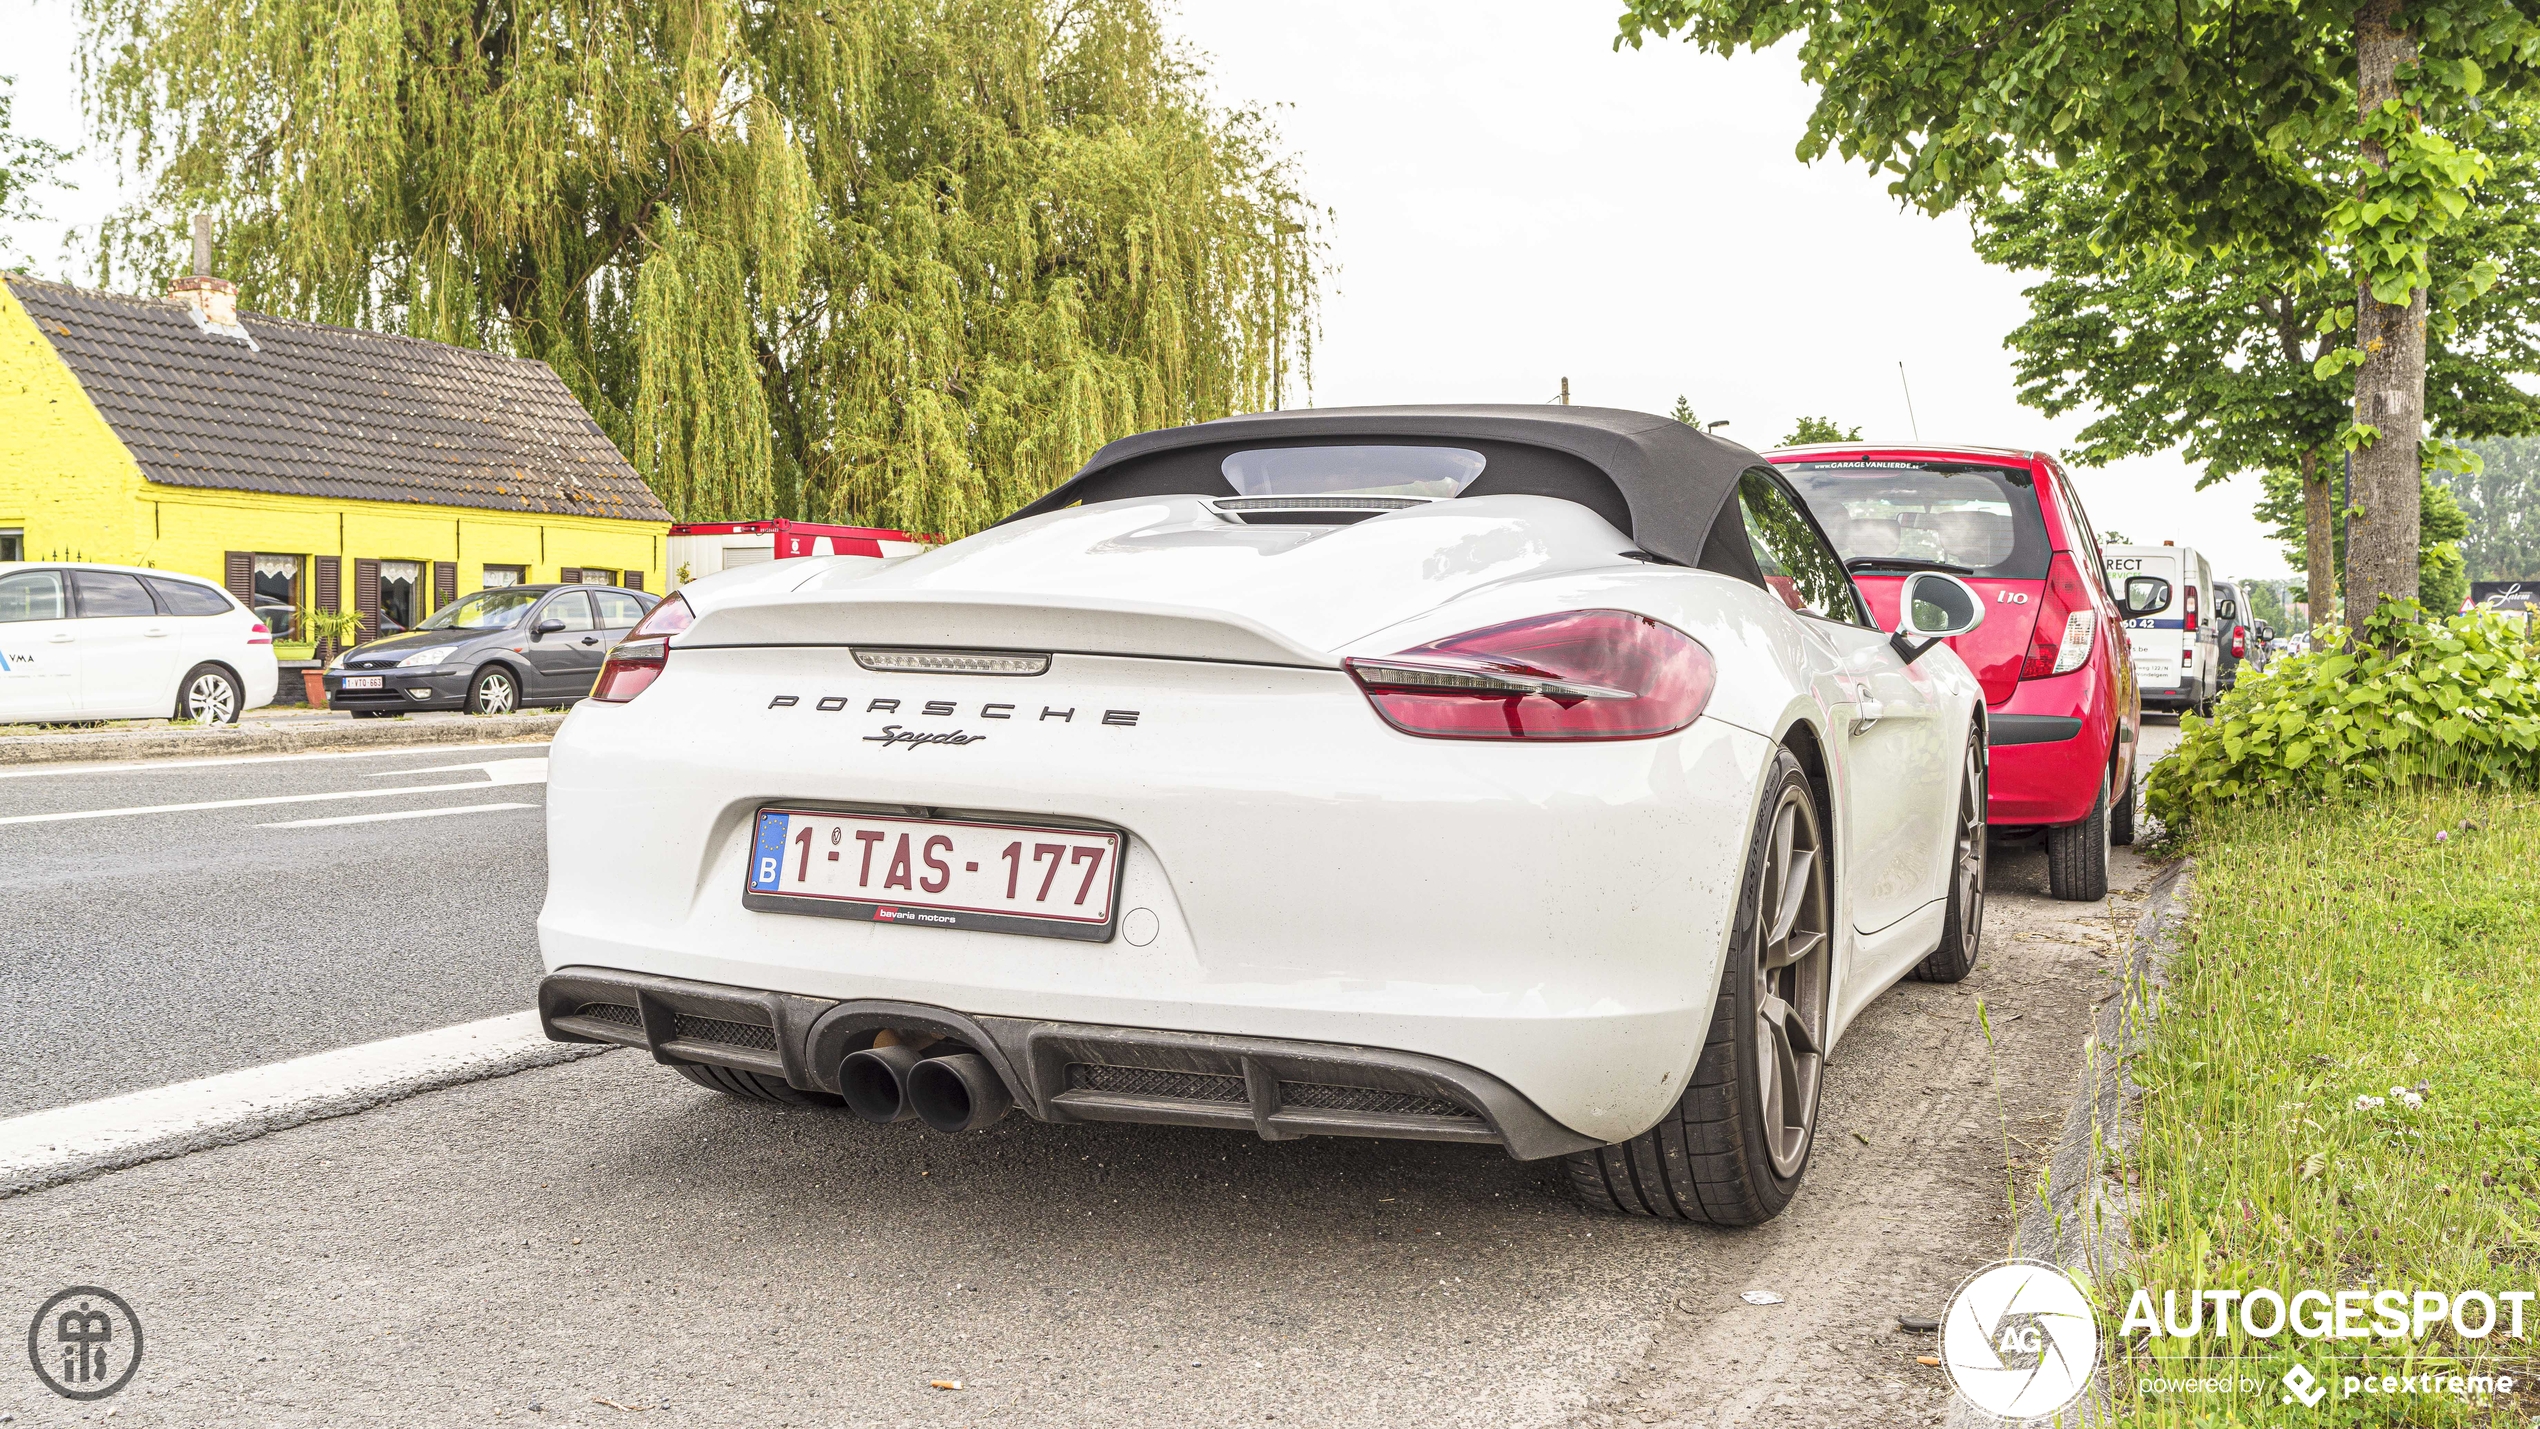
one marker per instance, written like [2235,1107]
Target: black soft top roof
[1666,485]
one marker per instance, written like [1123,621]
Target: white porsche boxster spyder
[1521,775]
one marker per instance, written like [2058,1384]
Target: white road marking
[126,766]
[397,814]
[499,771]
[48,1147]
[259,802]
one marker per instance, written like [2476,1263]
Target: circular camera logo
[85,1343]
[2020,1339]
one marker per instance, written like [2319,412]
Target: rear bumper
[1299,872]
[1277,1088]
[2049,748]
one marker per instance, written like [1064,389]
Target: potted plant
[327,629]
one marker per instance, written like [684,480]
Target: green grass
[2337,952]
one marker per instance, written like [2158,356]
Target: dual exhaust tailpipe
[959,1092]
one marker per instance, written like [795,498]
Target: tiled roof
[334,412]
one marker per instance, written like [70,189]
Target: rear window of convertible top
[1353,470]
[1982,520]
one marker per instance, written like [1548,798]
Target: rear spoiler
[1059,625]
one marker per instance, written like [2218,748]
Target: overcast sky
[1514,202]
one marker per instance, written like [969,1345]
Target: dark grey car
[502,649]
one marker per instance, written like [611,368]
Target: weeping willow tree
[895,262]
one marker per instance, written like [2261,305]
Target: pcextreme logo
[2019,1339]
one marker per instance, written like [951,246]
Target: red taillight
[2191,610]
[638,660]
[2239,644]
[2060,642]
[1590,674]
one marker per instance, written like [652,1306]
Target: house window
[598,575]
[13,544]
[400,596]
[497,576]
[278,593]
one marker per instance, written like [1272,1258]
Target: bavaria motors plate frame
[922,915]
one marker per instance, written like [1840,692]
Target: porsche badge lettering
[900,736]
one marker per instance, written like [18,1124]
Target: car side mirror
[2144,595]
[2230,610]
[1934,606]
[545,628]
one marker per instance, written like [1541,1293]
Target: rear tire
[210,695]
[753,1086]
[1733,1149]
[2077,856]
[2121,818]
[1962,930]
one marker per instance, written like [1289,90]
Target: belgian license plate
[1046,881]
[364,682]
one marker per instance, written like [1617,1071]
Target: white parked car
[1505,774]
[92,642]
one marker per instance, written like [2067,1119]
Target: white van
[2177,651]
[88,642]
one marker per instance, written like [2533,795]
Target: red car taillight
[638,660]
[2191,610]
[2060,643]
[2239,644]
[258,635]
[1589,674]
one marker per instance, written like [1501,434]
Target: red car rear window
[1924,515]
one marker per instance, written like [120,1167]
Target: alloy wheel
[210,699]
[1793,959]
[494,693]
[1970,851]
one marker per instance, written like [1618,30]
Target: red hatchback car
[2062,710]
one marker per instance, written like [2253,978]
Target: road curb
[48,1148]
[253,738]
[2081,1216]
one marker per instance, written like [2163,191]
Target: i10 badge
[1038,879]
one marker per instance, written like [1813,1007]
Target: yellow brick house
[301,465]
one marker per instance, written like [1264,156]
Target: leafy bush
[2421,700]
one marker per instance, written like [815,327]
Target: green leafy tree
[1683,412]
[26,165]
[1811,430]
[2266,602]
[904,262]
[2221,357]
[2279,130]
[2502,503]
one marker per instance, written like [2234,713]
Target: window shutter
[238,573]
[570,575]
[634,580]
[328,576]
[366,597]
[445,583]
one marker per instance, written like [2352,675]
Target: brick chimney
[213,302]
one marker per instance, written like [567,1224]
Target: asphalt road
[604,1243]
[153,947]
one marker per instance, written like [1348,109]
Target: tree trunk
[2381,538]
[2319,541]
